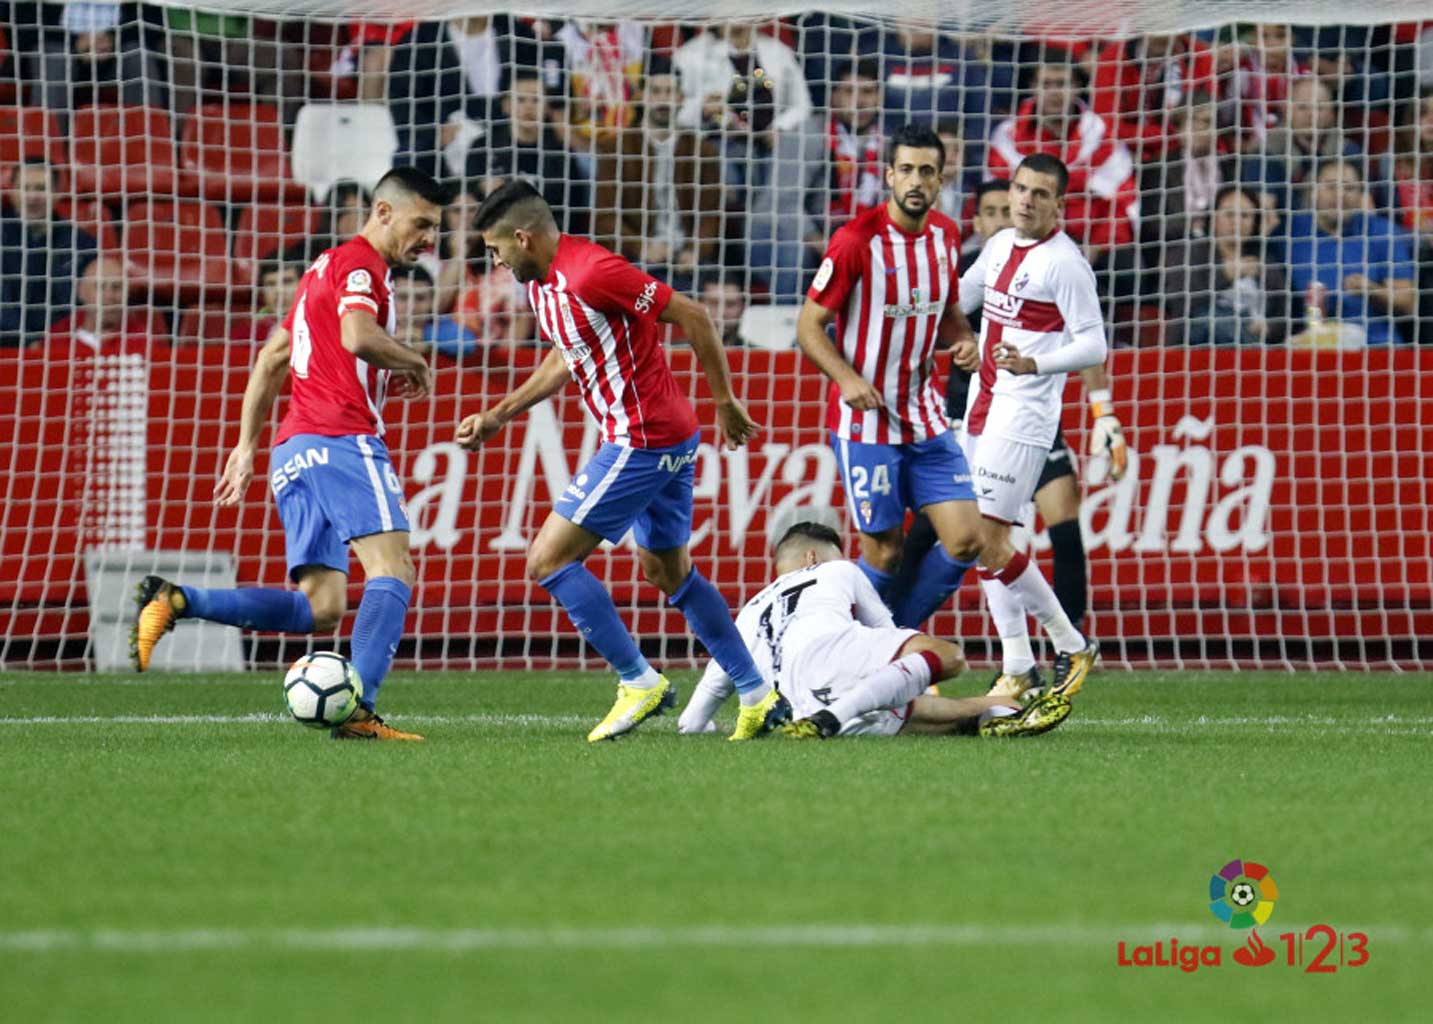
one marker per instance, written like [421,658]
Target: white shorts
[823,668]
[1004,474]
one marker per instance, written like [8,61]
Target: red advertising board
[1276,509]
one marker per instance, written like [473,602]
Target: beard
[915,212]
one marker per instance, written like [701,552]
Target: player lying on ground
[823,637]
[334,485]
[601,313]
[1057,492]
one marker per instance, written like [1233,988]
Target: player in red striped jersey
[1041,319]
[601,314]
[889,282]
[333,483]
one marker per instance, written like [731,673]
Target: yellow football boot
[633,707]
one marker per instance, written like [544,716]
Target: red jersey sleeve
[838,273]
[359,283]
[613,285]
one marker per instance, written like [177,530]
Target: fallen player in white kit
[820,634]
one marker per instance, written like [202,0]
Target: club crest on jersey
[866,510]
[359,281]
[1022,281]
[823,273]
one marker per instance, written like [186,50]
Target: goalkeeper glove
[1108,436]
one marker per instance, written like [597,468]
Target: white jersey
[1034,295]
[798,619]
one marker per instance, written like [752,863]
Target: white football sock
[1008,614]
[1034,592]
[707,699]
[898,683]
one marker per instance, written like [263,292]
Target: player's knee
[963,546]
[881,553]
[952,659]
[328,607]
[664,572]
[541,565]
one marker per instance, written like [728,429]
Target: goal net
[1252,183]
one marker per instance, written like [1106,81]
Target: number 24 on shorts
[879,479]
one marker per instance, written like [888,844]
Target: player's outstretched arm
[361,335]
[550,377]
[859,393]
[695,322]
[265,380]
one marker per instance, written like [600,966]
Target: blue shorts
[646,490]
[329,490]
[883,480]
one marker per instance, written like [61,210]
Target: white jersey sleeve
[972,284]
[1077,298]
[869,608]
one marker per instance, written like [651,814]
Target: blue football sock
[377,630]
[591,610]
[937,578]
[263,608]
[710,618]
[880,580]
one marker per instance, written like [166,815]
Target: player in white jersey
[822,636]
[1041,320]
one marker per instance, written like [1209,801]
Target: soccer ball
[1242,894]
[321,690]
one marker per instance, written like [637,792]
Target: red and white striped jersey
[601,313]
[1034,294]
[889,290]
[335,393]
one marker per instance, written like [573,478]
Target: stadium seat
[124,151]
[237,153]
[772,327]
[265,230]
[92,217]
[181,249]
[337,141]
[27,132]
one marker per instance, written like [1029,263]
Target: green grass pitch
[172,849]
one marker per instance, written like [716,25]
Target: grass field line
[1376,724]
[419,939]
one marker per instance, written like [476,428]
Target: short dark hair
[657,64]
[501,201]
[1336,161]
[818,532]
[52,171]
[856,67]
[344,188]
[523,73]
[1243,188]
[988,186]
[412,181]
[1044,163]
[915,136]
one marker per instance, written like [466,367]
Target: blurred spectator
[1408,168]
[726,302]
[604,69]
[1355,267]
[221,58]
[40,254]
[952,190]
[102,322]
[1228,288]
[931,77]
[494,308]
[460,247]
[447,79]
[94,62]
[524,145]
[1139,82]
[278,287]
[738,78]
[823,176]
[343,217]
[1266,71]
[366,57]
[1308,136]
[659,197]
[420,326]
[1102,201]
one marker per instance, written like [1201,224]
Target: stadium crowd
[1258,184]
